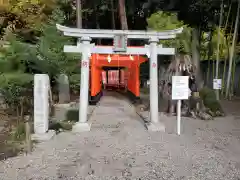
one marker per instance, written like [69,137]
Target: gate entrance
[119,71]
[121,50]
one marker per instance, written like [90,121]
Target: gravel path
[119,147]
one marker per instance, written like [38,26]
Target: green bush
[17,91]
[3,66]
[72,115]
[19,132]
[209,99]
[74,81]
[19,79]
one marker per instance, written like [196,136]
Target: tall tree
[79,13]
[113,14]
[32,13]
[122,14]
[218,47]
[200,15]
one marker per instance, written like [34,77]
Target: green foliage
[164,21]
[16,89]
[50,49]
[63,125]
[209,99]
[161,21]
[72,115]
[19,79]
[74,81]
[3,66]
[16,55]
[223,48]
[19,132]
[26,14]
[167,21]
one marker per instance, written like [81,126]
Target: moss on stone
[210,101]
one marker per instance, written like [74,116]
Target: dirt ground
[232,107]
[119,147]
[6,150]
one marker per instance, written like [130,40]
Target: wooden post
[28,134]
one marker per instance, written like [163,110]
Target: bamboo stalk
[228,55]
[229,10]
[209,54]
[213,70]
[233,77]
[218,48]
[227,42]
[232,50]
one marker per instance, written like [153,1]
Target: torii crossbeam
[120,47]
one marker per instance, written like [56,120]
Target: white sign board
[180,87]
[41,103]
[217,83]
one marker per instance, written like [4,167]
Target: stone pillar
[41,108]
[63,89]
[82,124]
[154,125]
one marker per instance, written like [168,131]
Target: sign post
[217,84]
[180,91]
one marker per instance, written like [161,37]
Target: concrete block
[155,127]
[44,136]
[81,127]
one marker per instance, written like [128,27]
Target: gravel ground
[119,147]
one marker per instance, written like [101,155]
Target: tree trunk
[97,22]
[232,51]
[228,49]
[209,54]
[123,15]
[196,57]
[79,14]
[113,15]
[218,48]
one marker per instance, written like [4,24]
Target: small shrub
[3,66]
[74,81]
[64,125]
[16,89]
[209,99]
[72,115]
[18,133]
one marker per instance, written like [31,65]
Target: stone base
[81,127]
[43,137]
[155,127]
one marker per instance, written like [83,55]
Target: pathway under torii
[152,50]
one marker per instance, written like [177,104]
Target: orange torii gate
[131,63]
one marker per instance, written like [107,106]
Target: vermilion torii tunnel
[126,72]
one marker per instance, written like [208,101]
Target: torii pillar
[155,125]
[151,51]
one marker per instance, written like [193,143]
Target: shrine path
[119,147]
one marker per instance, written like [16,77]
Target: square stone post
[82,125]
[154,124]
[41,108]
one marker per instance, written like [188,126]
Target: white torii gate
[119,36]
